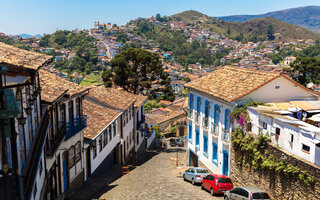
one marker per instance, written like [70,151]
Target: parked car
[176,142]
[216,183]
[246,193]
[195,174]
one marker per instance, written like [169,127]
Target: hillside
[306,17]
[256,27]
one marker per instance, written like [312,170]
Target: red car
[216,183]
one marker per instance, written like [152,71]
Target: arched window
[227,123]
[191,101]
[198,105]
[78,151]
[207,109]
[71,154]
[216,114]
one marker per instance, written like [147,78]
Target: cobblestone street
[156,179]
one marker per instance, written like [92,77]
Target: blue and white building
[212,99]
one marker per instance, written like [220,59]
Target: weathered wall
[278,186]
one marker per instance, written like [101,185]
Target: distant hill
[24,35]
[255,27]
[306,17]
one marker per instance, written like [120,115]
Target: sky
[47,16]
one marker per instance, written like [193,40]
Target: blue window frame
[191,101]
[215,153]
[227,121]
[207,108]
[205,146]
[197,138]
[198,104]
[190,133]
[216,114]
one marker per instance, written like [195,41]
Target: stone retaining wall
[279,186]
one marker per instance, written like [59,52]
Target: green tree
[158,17]
[228,30]
[270,34]
[305,70]
[149,105]
[135,69]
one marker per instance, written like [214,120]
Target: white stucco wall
[286,92]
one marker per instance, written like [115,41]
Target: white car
[195,174]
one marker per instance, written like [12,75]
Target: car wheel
[211,192]
[202,188]
[193,182]
[184,178]
[226,198]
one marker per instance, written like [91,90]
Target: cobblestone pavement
[158,178]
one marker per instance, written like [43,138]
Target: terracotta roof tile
[53,86]
[113,97]
[98,117]
[230,83]
[21,57]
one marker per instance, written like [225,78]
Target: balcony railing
[205,122]
[77,125]
[226,136]
[197,118]
[54,143]
[30,170]
[215,129]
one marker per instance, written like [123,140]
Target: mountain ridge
[251,28]
[307,17]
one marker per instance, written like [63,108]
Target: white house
[23,124]
[123,102]
[102,137]
[64,142]
[212,99]
[291,126]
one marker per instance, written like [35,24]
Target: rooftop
[20,57]
[113,97]
[98,118]
[53,86]
[231,83]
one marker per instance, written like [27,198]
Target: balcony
[215,129]
[29,172]
[197,118]
[77,125]
[56,141]
[205,122]
[226,136]
[189,111]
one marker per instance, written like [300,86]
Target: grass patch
[92,79]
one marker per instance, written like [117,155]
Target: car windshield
[224,180]
[260,195]
[202,171]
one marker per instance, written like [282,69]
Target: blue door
[225,167]
[65,175]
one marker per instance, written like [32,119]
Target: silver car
[195,174]
[246,193]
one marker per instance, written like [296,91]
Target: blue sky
[46,16]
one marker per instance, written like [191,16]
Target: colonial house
[292,126]
[118,100]
[212,99]
[140,126]
[102,137]
[23,124]
[64,142]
